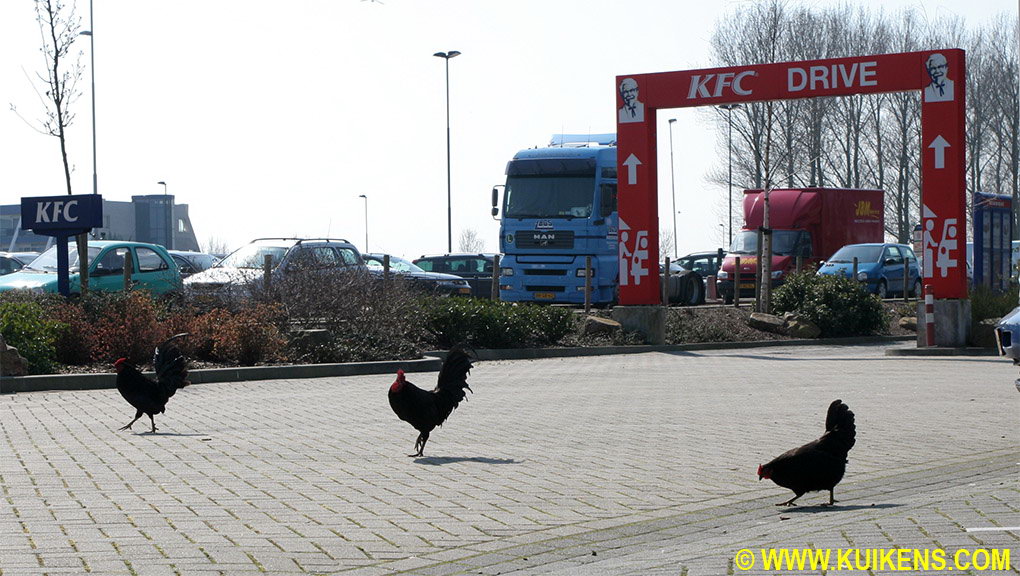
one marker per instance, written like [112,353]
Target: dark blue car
[879,267]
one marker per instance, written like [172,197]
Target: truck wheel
[883,290]
[728,299]
[695,290]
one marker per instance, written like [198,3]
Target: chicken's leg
[832,499]
[790,501]
[153,418]
[137,416]
[419,444]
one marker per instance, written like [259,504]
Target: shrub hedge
[838,305]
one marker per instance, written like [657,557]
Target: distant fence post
[665,284]
[129,266]
[736,282]
[267,270]
[587,284]
[495,277]
[906,277]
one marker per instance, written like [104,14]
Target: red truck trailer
[810,223]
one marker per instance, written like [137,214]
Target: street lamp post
[366,220]
[729,120]
[449,198]
[672,184]
[169,218]
[92,70]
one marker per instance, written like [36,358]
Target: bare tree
[59,26]
[216,245]
[470,241]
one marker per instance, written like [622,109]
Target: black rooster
[817,465]
[150,396]
[427,409]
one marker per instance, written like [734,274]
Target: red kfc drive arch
[938,74]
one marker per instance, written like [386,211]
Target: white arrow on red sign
[940,145]
[632,163]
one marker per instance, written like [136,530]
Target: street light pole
[729,120]
[366,220]
[169,218]
[449,198]
[92,70]
[672,184]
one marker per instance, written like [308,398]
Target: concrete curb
[431,363]
[941,351]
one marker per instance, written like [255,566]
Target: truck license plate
[748,286]
[544,295]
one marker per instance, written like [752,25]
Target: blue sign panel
[62,215]
[993,230]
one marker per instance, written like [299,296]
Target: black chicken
[150,396]
[427,409]
[817,465]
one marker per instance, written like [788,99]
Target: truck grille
[544,272]
[546,239]
[531,288]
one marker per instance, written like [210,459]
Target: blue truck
[559,206]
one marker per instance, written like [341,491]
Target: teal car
[152,269]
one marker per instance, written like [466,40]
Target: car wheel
[883,290]
[916,292]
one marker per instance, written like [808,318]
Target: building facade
[153,218]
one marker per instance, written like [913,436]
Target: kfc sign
[942,130]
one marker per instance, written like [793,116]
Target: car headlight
[862,276]
[506,271]
[723,275]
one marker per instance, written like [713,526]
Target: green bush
[488,324]
[25,326]
[984,303]
[839,306]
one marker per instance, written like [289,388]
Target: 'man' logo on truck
[864,209]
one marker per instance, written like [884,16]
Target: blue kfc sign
[62,215]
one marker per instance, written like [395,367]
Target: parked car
[879,267]
[475,268]
[152,269]
[235,274]
[192,262]
[704,263]
[443,284]
[14,261]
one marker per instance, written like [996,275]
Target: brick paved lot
[637,464]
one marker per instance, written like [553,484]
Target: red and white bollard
[929,315]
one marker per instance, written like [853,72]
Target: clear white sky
[269,118]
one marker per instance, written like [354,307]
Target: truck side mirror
[495,199]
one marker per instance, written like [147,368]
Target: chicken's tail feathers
[453,377]
[171,365]
[839,424]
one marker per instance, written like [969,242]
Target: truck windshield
[549,196]
[784,242]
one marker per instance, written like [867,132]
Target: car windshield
[549,197]
[47,261]
[784,242]
[847,254]
[254,256]
[396,264]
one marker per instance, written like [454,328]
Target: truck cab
[559,213]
